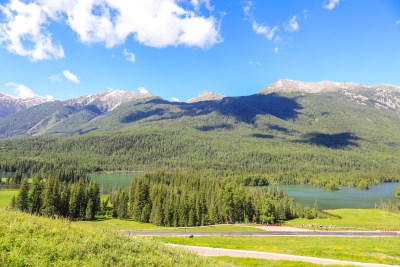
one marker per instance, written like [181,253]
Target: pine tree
[65,198]
[141,198]
[17,178]
[132,197]
[90,210]
[94,194]
[23,196]
[36,194]
[145,216]
[13,202]
[77,203]
[228,203]
[48,198]
[123,205]
[191,221]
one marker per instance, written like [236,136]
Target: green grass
[272,263]
[363,249]
[28,240]
[6,196]
[117,224]
[359,218]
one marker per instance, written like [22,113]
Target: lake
[118,179]
[346,197]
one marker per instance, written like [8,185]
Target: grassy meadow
[364,249]
[6,196]
[356,218]
[271,263]
[29,240]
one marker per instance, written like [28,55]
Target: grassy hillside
[27,240]
[356,218]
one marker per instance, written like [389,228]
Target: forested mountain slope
[292,136]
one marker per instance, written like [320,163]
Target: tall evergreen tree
[228,207]
[23,196]
[77,203]
[89,210]
[36,194]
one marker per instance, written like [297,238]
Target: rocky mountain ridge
[12,104]
[206,96]
[383,96]
[107,101]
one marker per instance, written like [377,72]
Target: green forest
[162,199]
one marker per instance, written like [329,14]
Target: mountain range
[289,132]
[116,109]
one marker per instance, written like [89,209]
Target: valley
[294,154]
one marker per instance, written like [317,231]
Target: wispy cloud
[251,62]
[259,28]
[292,25]
[330,4]
[174,99]
[276,50]
[398,22]
[129,56]
[70,76]
[143,90]
[55,78]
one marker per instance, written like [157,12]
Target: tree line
[184,200]
[51,197]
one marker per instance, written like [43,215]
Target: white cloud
[174,99]
[24,33]
[198,3]
[143,90]
[398,22]
[21,90]
[70,76]
[264,30]
[276,49]
[258,28]
[129,56]
[292,25]
[155,23]
[330,4]
[55,78]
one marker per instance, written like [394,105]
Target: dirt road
[205,251]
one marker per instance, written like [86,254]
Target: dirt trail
[206,251]
[270,228]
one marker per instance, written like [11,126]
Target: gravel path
[206,251]
[266,233]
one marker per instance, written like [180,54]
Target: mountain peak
[285,85]
[11,104]
[109,100]
[206,96]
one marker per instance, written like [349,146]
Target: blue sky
[177,49]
